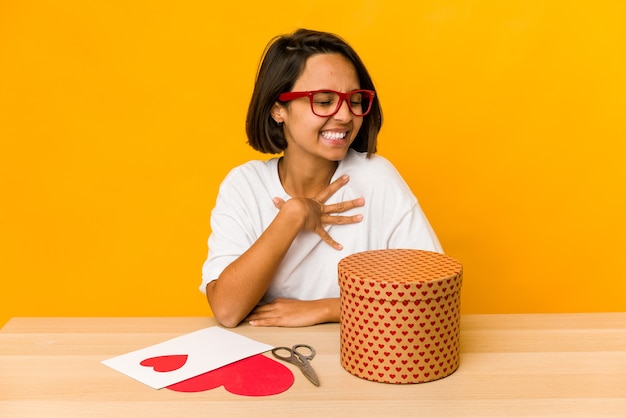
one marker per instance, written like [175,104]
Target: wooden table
[569,365]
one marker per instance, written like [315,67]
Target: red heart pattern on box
[400,315]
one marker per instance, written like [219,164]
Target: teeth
[334,135]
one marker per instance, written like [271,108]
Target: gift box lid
[400,274]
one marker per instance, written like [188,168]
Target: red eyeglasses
[325,103]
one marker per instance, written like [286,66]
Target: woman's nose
[344,112]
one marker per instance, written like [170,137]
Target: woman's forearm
[243,283]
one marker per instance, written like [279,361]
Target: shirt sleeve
[236,223]
[405,224]
[414,231]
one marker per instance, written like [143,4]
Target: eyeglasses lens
[327,103]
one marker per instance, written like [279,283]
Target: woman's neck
[305,180]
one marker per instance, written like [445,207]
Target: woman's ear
[277,113]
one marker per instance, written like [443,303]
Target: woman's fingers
[318,214]
[343,206]
[330,190]
[278,202]
[325,236]
[341,220]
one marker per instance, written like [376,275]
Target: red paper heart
[254,376]
[164,364]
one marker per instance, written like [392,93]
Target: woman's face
[312,137]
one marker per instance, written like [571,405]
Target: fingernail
[345,177]
[359,217]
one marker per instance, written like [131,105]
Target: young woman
[279,227]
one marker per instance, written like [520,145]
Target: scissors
[300,359]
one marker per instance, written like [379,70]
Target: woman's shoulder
[253,174]
[252,169]
[376,165]
[375,174]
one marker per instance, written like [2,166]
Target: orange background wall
[119,119]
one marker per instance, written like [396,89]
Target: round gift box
[400,315]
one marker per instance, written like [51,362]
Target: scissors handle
[300,358]
[278,352]
[308,354]
[294,354]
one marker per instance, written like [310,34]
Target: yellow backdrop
[119,119]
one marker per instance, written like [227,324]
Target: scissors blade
[310,374]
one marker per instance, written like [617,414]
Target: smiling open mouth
[334,135]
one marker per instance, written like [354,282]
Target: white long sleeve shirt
[392,218]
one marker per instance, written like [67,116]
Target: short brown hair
[283,62]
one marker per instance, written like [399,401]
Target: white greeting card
[186,356]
